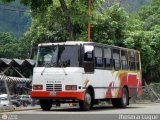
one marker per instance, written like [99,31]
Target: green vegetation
[11,47]
[67,20]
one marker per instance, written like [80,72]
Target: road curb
[27,109]
[7,108]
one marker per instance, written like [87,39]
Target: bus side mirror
[88,66]
[33,53]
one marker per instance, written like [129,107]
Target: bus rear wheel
[86,104]
[46,104]
[121,102]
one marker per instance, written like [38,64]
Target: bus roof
[82,43]
[65,43]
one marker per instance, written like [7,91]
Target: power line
[15,10]
[12,8]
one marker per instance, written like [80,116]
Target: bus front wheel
[121,102]
[46,104]
[85,105]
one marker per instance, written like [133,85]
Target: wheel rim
[88,98]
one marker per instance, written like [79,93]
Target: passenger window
[88,63]
[124,58]
[98,57]
[132,60]
[107,57]
[88,53]
[116,59]
[137,61]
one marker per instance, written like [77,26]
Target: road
[99,112]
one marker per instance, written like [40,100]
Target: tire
[86,104]
[46,104]
[121,102]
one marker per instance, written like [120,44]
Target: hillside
[133,5]
[129,5]
[14,18]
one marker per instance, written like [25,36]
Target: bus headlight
[71,87]
[37,87]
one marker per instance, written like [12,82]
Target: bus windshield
[58,56]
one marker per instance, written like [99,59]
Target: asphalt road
[132,112]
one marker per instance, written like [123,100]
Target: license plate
[53,93]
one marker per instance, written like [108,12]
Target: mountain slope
[14,18]
[129,5]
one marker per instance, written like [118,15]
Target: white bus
[85,72]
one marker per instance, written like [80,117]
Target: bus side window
[124,58]
[98,57]
[88,53]
[132,60]
[88,63]
[116,59]
[107,57]
[137,61]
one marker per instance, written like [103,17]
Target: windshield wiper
[43,70]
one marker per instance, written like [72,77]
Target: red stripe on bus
[46,94]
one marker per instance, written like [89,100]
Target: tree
[59,20]
[50,25]
[67,6]
[143,34]
[135,31]
[11,47]
[69,24]
[150,14]
[110,26]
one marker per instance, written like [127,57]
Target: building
[17,74]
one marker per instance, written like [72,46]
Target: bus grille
[53,87]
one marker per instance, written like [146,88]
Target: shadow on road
[94,109]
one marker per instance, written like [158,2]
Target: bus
[86,73]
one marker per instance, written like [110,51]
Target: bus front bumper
[58,95]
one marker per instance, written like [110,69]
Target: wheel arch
[91,89]
[127,88]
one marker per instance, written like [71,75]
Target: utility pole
[7,90]
[89,25]
[5,83]
[6,86]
